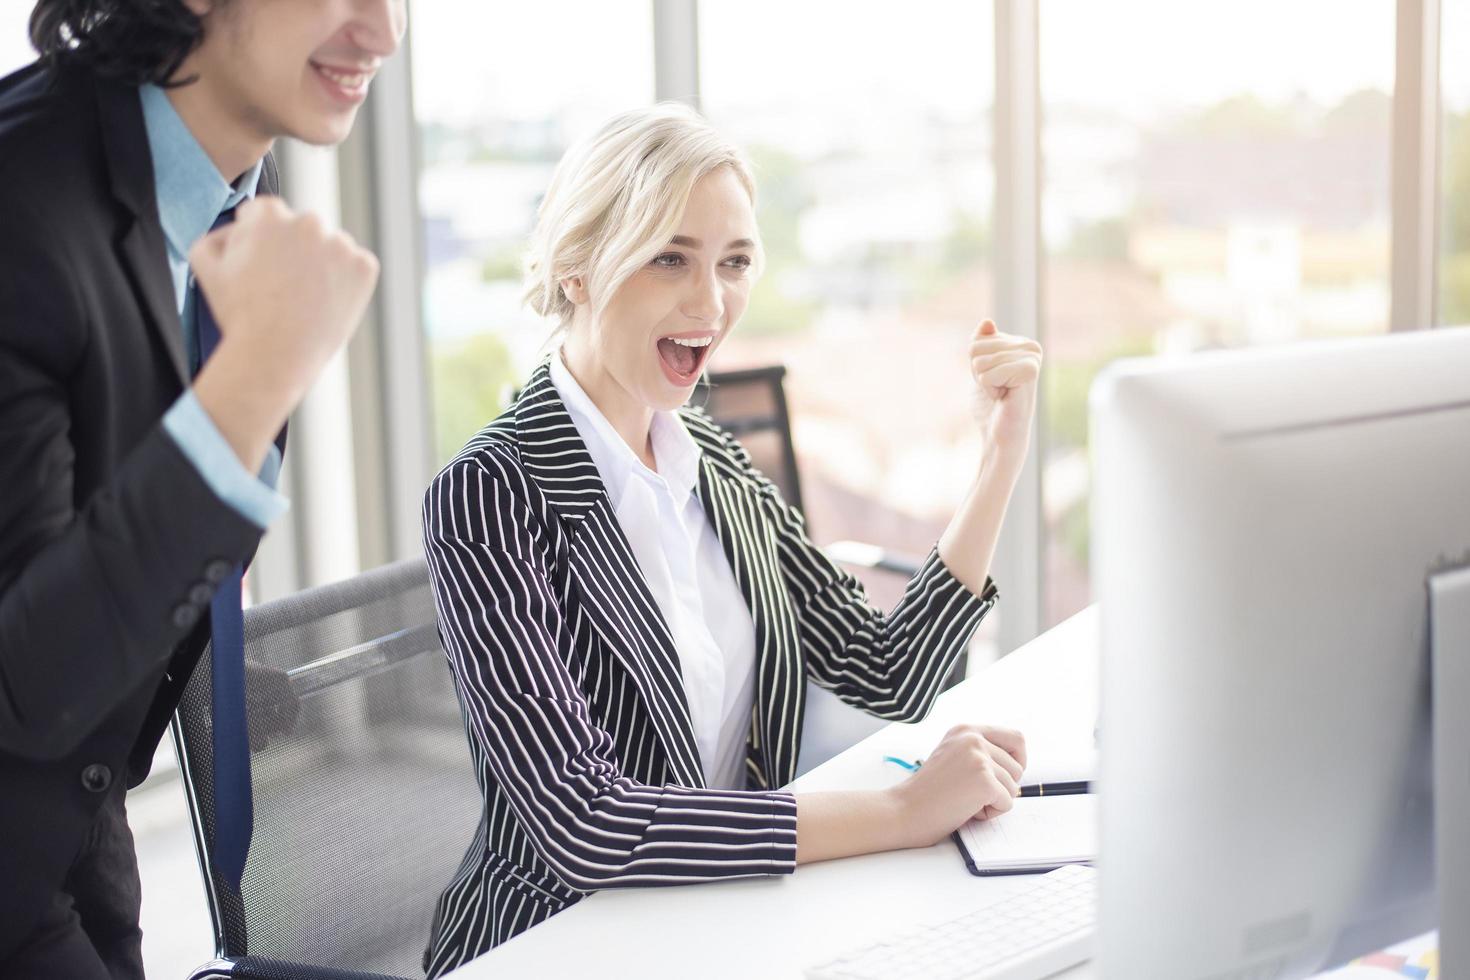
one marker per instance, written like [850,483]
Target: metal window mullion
[1414,298]
[365,359]
[1017,567]
[676,51]
[283,562]
[400,407]
[324,485]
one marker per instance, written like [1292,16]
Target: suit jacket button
[201,594]
[185,615]
[96,778]
[217,571]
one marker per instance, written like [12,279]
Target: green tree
[1067,386]
[1104,240]
[1368,110]
[1240,115]
[1065,425]
[968,242]
[1454,295]
[781,197]
[504,263]
[472,379]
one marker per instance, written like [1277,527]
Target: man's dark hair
[134,41]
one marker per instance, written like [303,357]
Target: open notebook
[1040,833]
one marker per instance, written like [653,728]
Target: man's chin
[324,130]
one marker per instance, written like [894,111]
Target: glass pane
[499,92]
[1216,176]
[1454,267]
[871,139]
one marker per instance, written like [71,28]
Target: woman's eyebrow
[695,243]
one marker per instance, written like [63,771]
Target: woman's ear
[575,289]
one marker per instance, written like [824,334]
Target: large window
[1216,178]
[1454,266]
[15,45]
[871,139]
[500,90]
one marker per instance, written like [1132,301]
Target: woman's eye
[741,262]
[669,260]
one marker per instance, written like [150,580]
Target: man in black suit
[147,368]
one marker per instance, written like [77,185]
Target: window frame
[391,414]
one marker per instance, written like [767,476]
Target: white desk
[776,927]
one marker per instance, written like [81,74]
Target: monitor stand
[1449,624]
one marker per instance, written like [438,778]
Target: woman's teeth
[682,356]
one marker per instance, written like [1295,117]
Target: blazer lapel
[130,170]
[615,595]
[734,509]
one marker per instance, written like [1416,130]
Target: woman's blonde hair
[616,199]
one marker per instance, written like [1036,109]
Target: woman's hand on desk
[974,772]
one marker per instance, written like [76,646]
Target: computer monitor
[1265,526]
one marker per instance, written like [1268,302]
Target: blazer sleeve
[504,632]
[892,665]
[94,594]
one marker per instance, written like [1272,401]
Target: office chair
[363,805]
[751,405]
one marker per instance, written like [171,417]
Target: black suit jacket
[110,541]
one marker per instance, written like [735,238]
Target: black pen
[1057,789]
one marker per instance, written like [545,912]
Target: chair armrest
[263,968]
[860,554]
[362,660]
[213,970]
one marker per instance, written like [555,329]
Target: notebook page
[1037,831]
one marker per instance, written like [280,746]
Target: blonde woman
[630,609]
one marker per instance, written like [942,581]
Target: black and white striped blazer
[571,688]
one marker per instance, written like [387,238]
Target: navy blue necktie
[234,815]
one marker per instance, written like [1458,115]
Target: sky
[476,60]
[1140,53]
[1138,56]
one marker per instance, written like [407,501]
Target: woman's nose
[704,302]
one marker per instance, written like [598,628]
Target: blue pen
[1033,789]
[910,766]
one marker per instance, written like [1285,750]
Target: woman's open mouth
[682,357]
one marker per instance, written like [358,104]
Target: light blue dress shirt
[191,195]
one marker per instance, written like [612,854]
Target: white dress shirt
[686,571]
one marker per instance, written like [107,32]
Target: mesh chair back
[751,405]
[364,806]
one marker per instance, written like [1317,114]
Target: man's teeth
[344,79]
[695,342]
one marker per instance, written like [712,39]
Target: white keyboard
[1024,936]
